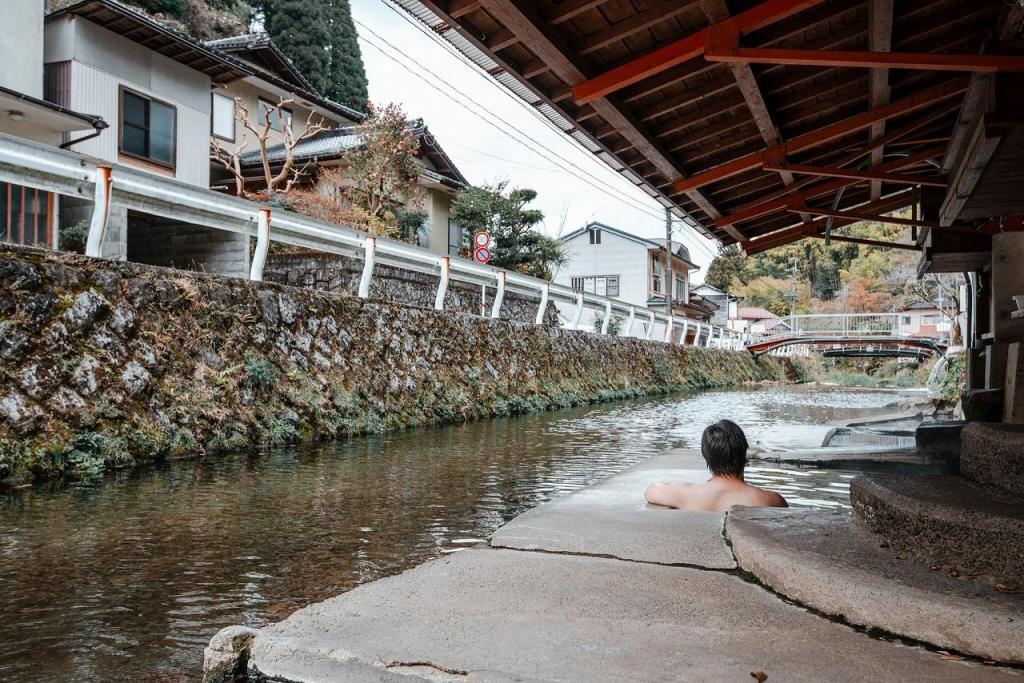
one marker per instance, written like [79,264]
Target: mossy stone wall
[105,364]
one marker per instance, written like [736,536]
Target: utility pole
[670,278]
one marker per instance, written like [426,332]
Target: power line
[600,185]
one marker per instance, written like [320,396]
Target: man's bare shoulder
[764,498]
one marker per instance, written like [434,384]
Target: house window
[276,114]
[656,283]
[930,320]
[26,215]
[148,128]
[604,285]
[906,320]
[595,236]
[680,293]
[222,121]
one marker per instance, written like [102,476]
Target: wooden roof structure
[759,121]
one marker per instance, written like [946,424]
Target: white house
[614,263]
[757,320]
[725,306]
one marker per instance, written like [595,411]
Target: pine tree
[320,38]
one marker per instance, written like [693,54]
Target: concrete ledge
[611,519]
[945,519]
[501,615]
[838,458]
[993,454]
[822,560]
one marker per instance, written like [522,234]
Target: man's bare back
[724,447]
[717,495]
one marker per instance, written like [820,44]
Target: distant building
[757,320]
[724,304]
[922,319]
[614,263]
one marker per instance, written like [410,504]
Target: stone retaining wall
[105,364]
[341,275]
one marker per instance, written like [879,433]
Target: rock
[289,308]
[993,453]
[268,306]
[66,402]
[982,405]
[38,380]
[123,320]
[19,412]
[39,307]
[227,655]
[86,309]
[15,341]
[61,276]
[18,274]
[135,377]
[85,375]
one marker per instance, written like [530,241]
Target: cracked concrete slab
[498,615]
[821,559]
[611,519]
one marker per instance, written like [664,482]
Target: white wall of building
[614,256]
[102,62]
[21,37]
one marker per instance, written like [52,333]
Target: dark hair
[725,449]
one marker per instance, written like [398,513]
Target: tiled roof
[755,313]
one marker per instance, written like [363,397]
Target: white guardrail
[43,167]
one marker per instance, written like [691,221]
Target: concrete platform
[611,519]
[993,454]
[945,519]
[503,615]
[821,559]
[839,458]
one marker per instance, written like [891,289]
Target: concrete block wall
[74,210]
[159,242]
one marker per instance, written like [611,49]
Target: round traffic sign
[482,239]
[483,254]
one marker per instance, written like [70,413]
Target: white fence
[48,168]
[843,324]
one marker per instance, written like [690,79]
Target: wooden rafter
[781,203]
[827,134]
[683,50]
[661,11]
[459,8]
[880,17]
[571,8]
[926,61]
[875,176]
[868,243]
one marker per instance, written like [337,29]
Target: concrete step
[821,559]
[993,453]
[946,520]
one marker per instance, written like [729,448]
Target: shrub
[73,237]
[259,372]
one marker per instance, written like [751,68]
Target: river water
[127,576]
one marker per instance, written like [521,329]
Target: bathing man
[725,450]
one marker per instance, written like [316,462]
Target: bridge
[849,334]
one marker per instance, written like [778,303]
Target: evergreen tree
[727,268]
[347,79]
[320,38]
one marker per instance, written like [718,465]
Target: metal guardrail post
[711,334]
[499,296]
[578,313]
[100,211]
[650,327]
[442,286]
[369,258]
[668,329]
[696,335]
[259,257]
[629,322]
[607,316]
[543,308]
[682,335]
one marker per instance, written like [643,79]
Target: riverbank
[107,364]
[598,586]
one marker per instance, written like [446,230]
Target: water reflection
[129,575]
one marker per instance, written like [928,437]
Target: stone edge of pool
[589,570]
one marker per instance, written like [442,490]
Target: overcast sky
[484,153]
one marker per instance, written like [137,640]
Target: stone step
[822,559]
[946,520]
[993,453]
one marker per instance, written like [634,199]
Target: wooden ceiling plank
[460,8]
[926,61]
[683,50]
[828,133]
[501,39]
[567,10]
[880,18]
[662,11]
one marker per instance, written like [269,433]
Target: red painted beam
[897,178]
[684,49]
[824,135]
[927,61]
